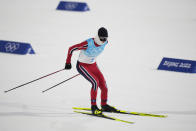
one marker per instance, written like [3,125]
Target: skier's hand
[67,66]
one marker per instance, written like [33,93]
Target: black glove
[67,66]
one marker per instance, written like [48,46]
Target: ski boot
[95,110]
[108,108]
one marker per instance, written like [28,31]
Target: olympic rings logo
[11,47]
[71,6]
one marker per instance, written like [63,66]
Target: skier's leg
[102,84]
[86,71]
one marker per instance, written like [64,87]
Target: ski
[126,112]
[104,116]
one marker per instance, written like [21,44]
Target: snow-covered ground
[141,33]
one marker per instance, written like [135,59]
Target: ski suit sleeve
[80,46]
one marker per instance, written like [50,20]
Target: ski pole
[60,83]
[33,81]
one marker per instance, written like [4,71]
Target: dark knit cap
[102,32]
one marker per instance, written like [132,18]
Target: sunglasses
[103,38]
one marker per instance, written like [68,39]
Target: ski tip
[164,116]
[76,108]
[105,116]
[79,108]
[88,113]
[129,122]
[161,116]
[77,111]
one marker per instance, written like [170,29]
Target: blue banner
[73,6]
[178,65]
[16,47]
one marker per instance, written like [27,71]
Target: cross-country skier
[87,67]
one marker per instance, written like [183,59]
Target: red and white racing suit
[88,68]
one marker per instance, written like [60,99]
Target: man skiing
[87,67]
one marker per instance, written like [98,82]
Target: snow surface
[141,33]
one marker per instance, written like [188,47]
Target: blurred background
[141,33]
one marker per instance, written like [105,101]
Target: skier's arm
[81,46]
